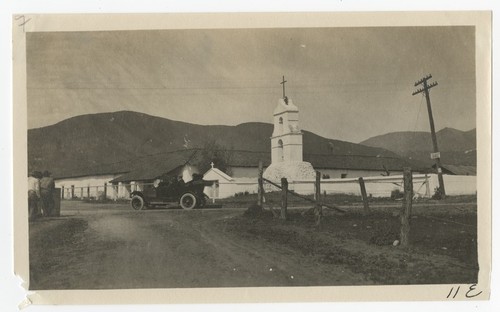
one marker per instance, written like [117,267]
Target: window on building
[280,150]
[343,175]
[281,120]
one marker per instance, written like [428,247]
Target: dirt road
[98,246]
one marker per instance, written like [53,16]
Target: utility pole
[436,155]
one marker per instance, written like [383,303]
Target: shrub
[241,194]
[437,193]
[396,194]
[100,196]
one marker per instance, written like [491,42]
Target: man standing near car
[47,186]
[33,195]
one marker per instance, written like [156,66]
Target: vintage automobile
[171,190]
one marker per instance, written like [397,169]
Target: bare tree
[218,154]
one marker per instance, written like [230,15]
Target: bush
[384,236]
[241,194]
[437,194]
[101,197]
[396,194]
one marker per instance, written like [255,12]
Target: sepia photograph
[250,157]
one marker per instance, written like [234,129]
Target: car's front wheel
[137,202]
[188,201]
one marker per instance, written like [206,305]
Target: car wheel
[137,202]
[188,201]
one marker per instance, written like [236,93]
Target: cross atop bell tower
[284,96]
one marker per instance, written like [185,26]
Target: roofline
[148,179]
[195,152]
[128,159]
[56,177]
[347,168]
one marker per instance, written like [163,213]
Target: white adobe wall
[455,185]
[227,189]
[383,186]
[376,186]
[80,184]
[245,172]
[337,173]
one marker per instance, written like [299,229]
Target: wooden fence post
[81,192]
[366,206]
[427,189]
[284,199]
[62,192]
[72,191]
[260,191]
[318,209]
[105,190]
[406,208]
[88,192]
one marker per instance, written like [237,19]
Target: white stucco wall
[455,185]
[351,173]
[226,189]
[81,185]
[93,186]
[245,172]
[383,186]
[376,186]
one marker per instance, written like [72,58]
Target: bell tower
[286,144]
[286,141]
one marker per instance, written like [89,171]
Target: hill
[104,138]
[457,147]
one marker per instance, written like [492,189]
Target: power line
[418,114]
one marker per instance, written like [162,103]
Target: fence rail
[404,213]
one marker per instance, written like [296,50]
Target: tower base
[291,170]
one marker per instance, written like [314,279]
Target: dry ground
[95,245]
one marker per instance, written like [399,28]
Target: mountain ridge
[457,147]
[101,138]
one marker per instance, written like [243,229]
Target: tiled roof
[152,166]
[144,167]
[358,162]
[459,170]
[324,161]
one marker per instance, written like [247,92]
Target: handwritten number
[23,22]
[451,290]
[471,293]
[472,288]
[449,294]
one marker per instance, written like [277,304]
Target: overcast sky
[349,83]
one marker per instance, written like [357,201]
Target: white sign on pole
[435,155]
